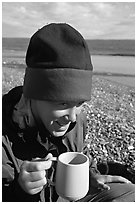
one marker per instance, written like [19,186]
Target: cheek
[59,113]
[44,114]
[48,116]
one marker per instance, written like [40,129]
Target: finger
[38,165]
[37,175]
[103,186]
[35,190]
[120,179]
[37,184]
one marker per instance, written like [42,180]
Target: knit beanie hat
[58,65]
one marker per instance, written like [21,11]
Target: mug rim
[60,159]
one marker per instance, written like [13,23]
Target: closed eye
[80,103]
[68,105]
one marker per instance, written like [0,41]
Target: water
[119,69]
[114,64]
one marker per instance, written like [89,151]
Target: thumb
[103,186]
[49,156]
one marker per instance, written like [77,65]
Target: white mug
[72,175]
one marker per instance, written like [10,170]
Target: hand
[99,181]
[32,175]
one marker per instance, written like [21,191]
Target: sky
[94,20]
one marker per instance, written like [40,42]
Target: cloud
[93,20]
[105,9]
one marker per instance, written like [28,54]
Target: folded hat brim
[58,84]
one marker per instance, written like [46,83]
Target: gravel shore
[111,118]
[111,122]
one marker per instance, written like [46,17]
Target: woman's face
[56,116]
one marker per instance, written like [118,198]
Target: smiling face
[56,116]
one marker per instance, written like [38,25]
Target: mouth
[62,125]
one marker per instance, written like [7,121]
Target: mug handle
[49,181]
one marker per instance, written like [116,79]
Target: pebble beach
[111,117]
[111,122]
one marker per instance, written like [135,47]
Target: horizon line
[85,38]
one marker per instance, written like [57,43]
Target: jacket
[30,142]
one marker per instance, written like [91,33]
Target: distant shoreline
[95,53]
[116,54]
[96,46]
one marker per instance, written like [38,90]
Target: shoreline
[126,79]
[113,54]
[121,47]
[91,53]
[17,65]
[121,79]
